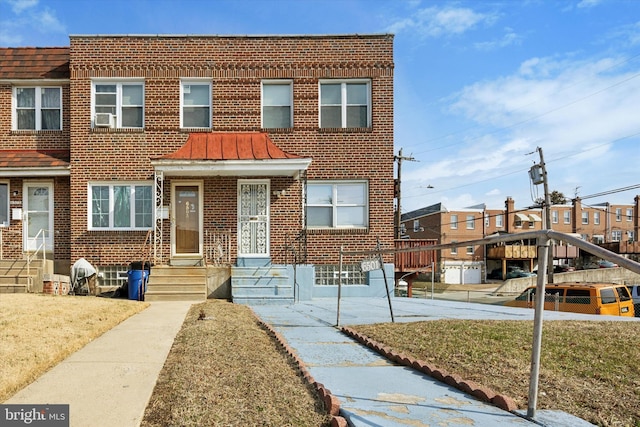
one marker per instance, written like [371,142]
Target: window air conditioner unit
[103,120]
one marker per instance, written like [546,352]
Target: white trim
[37,107]
[112,184]
[280,167]
[27,246]
[8,212]
[46,172]
[118,82]
[276,82]
[266,182]
[343,102]
[200,185]
[535,217]
[196,81]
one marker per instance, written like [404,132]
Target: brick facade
[235,66]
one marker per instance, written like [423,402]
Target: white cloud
[441,21]
[584,4]
[19,6]
[28,18]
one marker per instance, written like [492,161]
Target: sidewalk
[108,382]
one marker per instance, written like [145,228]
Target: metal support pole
[433,278]
[386,284]
[543,250]
[339,285]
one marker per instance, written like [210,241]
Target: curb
[470,387]
[331,403]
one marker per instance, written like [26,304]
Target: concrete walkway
[374,392]
[108,382]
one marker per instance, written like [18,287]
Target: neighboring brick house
[599,224]
[251,153]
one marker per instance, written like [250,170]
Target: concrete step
[14,279]
[13,289]
[176,283]
[261,285]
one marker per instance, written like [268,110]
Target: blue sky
[479,85]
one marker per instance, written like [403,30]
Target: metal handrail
[31,255]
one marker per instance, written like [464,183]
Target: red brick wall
[235,66]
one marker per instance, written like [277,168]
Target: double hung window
[195,104]
[345,104]
[37,108]
[121,206]
[341,204]
[122,103]
[277,101]
[454,221]
[471,222]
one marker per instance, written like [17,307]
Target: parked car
[599,264]
[635,295]
[589,298]
[563,268]
[514,273]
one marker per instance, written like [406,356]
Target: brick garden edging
[331,403]
[470,387]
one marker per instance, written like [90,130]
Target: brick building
[245,154]
[601,224]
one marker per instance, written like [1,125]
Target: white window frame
[454,250]
[132,213]
[566,217]
[198,82]
[585,218]
[37,107]
[416,225]
[471,222]
[268,83]
[616,236]
[6,199]
[618,214]
[119,83]
[454,221]
[596,218]
[470,250]
[499,221]
[554,217]
[629,214]
[335,204]
[343,102]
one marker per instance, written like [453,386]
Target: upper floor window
[118,104]
[454,250]
[4,204]
[345,104]
[454,221]
[629,214]
[416,225]
[120,206]
[195,104]
[277,101]
[471,223]
[37,108]
[567,217]
[596,218]
[554,217]
[585,217]
[499,221]
[341,204]
[469,250]
[618,214]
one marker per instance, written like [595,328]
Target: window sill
[338,231]
[117,130]
[345,130]
[34,132]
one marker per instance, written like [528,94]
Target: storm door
[253,218]
[38,216]
[186,236]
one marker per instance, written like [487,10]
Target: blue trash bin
[136,279]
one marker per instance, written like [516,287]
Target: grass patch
[588,369]
[224,369]
[38,331]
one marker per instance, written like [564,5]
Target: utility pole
[547,214]
[399,158]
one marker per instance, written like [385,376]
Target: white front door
[37,205]
[253,218]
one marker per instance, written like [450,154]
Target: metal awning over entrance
[230,154]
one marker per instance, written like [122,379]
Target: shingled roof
[17,63]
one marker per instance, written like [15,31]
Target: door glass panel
[187,227]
